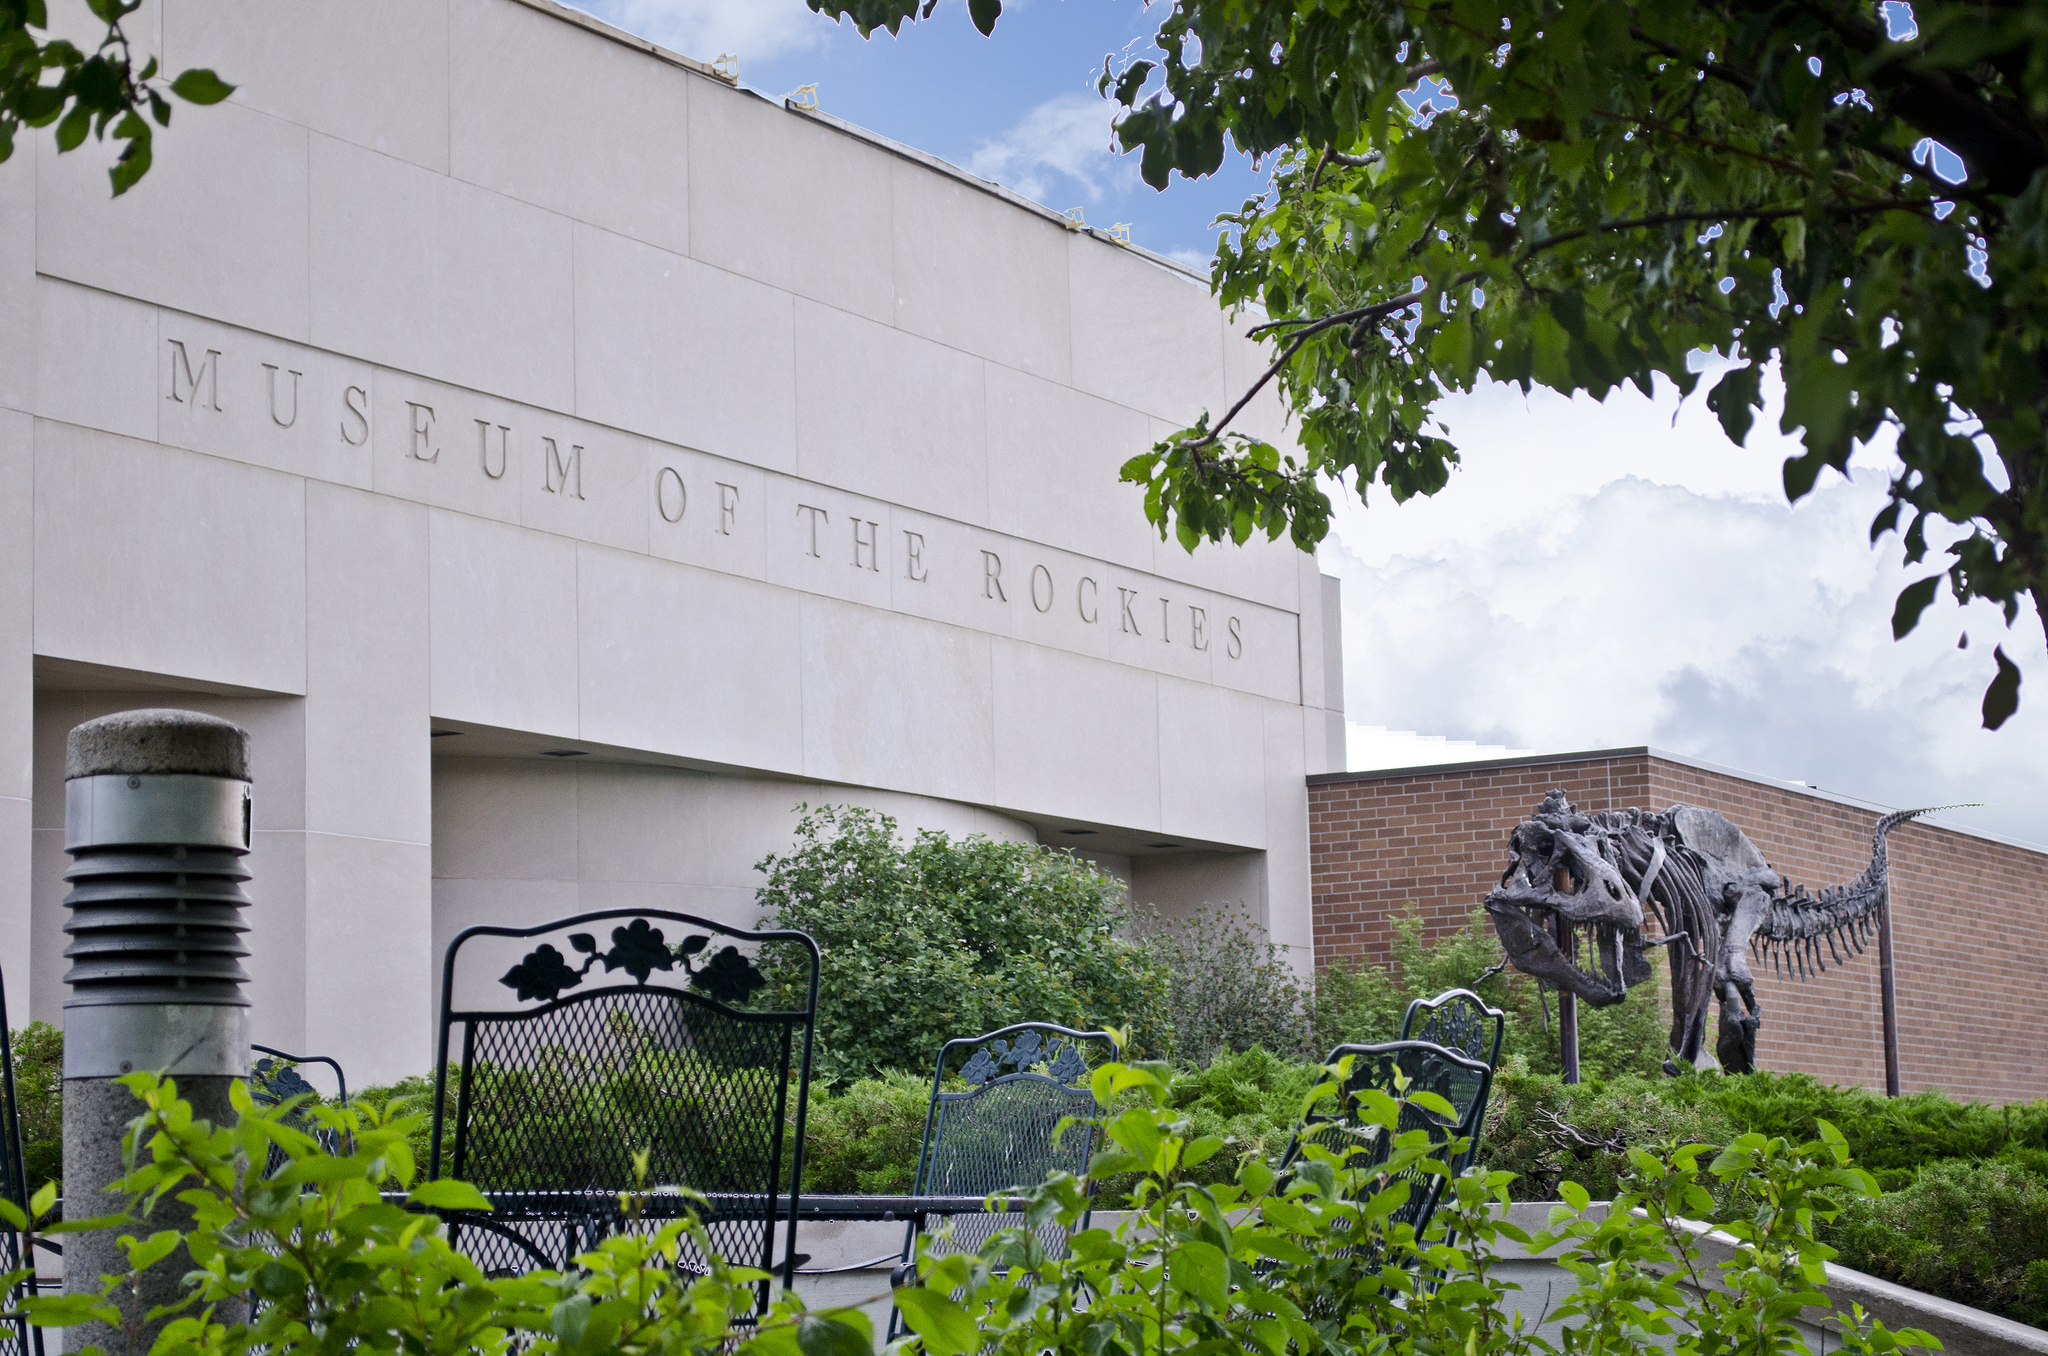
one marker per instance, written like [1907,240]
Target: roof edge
[951,171]
[598,26]
[1681,760]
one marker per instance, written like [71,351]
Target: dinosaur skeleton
[1571,906]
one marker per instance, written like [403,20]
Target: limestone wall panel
[168,562]
[372,72]
[684,352]
[432,275]
[518,137]
[218,227]
[504,625]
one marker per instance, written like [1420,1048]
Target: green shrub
[865,1136]
[1973,1232]
[38,1053]
[1228,989]
[1365,1003]
[1547,1132]
[944,938]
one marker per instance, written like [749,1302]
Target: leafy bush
[38,1053]
[866,1137]
[1975,1232]
[1547,1132]
[1228,989]
[1366,1002]
[945,938]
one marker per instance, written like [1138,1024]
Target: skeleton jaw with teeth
[1559,876]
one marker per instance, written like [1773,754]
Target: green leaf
[2002,698]
[841,1332]
[1913,600]
[1199,1269]
[1735,399]
[147,1252]
[943,1325]
[449,1194]
[985,13]
[201,86]
[1574,1195]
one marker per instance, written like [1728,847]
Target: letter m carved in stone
[208,373]
[563,477]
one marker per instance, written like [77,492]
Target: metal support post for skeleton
[1567,1016]
[1888,991]
[156,819]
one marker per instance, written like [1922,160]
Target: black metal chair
[560,1076]
[1002,1129]
[1463,1082]
[276,1077]
[17,1338]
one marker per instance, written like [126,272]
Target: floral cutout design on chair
[272,1081]
[989,1062]
[639,949]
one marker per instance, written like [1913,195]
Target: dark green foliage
[1366,1003]
[38,1051]
[1546,1132]
[942,938]
[1974,1232]
[865,1136]
[92,92]
[1228,989]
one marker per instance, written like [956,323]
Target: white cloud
[1063,143]
[1597,575]
[754,30]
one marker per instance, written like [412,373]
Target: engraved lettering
[360,412]
[728,505]
[483,447]
[271,368]
[1036,571]
[1236,649]
[209,372]
[568,472]
[1084,593]
[422,431]
[1130,623]
[816,513]
[868,542]
[663,478]
[1198,626]
[992,577]
[913,558]
[1164,615]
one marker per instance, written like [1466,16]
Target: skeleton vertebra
[1591,879]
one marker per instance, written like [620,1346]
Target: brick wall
[1970,914]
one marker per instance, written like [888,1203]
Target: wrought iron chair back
[17,1338]
[1002,1129]
[1458,1019]
[692,1054]
[1463,1082]
[275,1077]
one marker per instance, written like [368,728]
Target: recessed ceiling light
[445,734]
[1162,845]
[1078,833]
[563,753]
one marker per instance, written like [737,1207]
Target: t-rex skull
[1561,881]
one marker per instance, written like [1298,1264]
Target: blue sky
[1596,575]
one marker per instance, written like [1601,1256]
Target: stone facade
[565,462]
[1970,921]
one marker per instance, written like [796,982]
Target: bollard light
[156,819]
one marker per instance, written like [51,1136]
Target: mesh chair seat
[1002,1130]
[688,1056]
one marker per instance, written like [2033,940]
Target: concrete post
[156,819]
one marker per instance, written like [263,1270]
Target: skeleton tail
[1844,916]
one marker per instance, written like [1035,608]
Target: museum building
[564,463]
